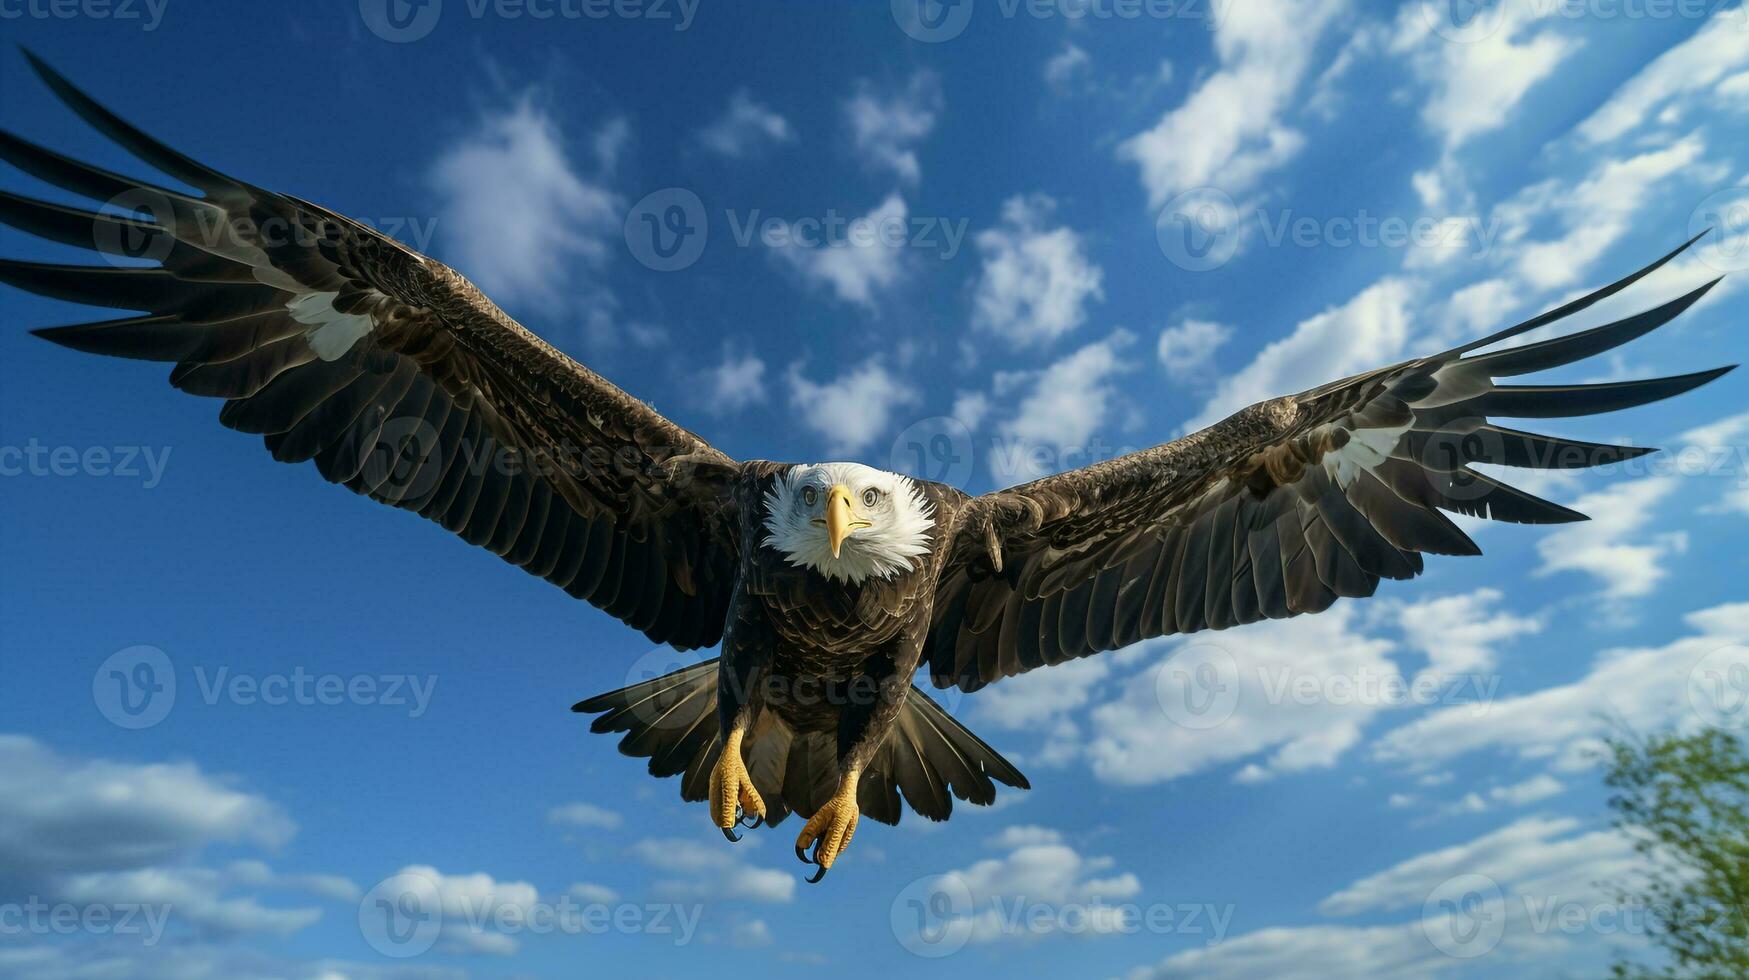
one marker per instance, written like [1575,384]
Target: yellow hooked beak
[840,517]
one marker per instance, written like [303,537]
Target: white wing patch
[332,333]
[1366,448]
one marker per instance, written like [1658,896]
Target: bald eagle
[828,586]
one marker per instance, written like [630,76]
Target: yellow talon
[732,792]
[831,828]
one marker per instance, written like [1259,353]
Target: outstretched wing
[1276,511]
[392,373]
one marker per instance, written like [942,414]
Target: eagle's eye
[871,497]
[810,496]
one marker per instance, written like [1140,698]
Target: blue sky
[362,702]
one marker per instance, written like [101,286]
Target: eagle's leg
[732,792]
[830,829]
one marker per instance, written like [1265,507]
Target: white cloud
[179,961]
[745,127]
[1067,65]
[751,934]
[1477,84]
[1032,699]
[1714,51]
[711,872]
[1040,872]
[1725,438]
[1609,547]
[852,409]
[1528,871]
[193,895]
[1302,690]
[736,383]
[1368,331]
[857,266]
[1069,399]
[1025,835]
[970,407]
[1597,212]
[517,215]
[1643,688]
[584,815]
[1188,350]
[1308,953]
[1035,283]
[592,894]
[468,901]
[1538,787]
[61,814]
[104,834]
[1543,853]
[886,127]
[1229,131]
[1458,633]
[1478,309]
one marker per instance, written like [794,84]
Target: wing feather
[1281,508]
[391,372]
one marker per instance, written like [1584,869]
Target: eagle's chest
[826,628]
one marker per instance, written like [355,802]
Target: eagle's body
[831,586]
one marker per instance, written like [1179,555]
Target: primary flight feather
[829,585]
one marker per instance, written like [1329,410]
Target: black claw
[802,855]
[729,832]
[815,880]
[757,821]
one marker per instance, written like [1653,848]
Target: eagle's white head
[847,521]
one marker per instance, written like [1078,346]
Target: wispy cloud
[1036,281]
[745,127]
[518,215]
[886,126]
[1230,131]
[857,268]
[853,409]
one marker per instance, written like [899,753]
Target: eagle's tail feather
[929,757]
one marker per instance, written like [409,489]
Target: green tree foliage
[1684,799]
